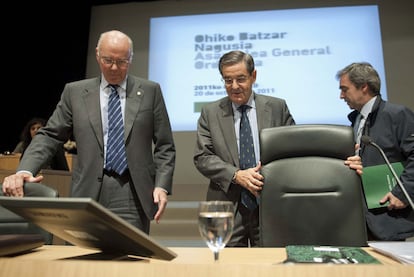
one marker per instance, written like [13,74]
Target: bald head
[115,40]
[114,56]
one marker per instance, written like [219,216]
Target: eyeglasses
[239,80]
[110,62]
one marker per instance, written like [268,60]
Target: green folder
[378,180]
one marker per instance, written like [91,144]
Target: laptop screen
[84,222]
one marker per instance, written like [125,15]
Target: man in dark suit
[139,193]
[216,154]
[391,126]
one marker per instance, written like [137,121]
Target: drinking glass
[215,223]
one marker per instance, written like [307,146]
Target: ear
[365,89]
[254,75]
[97,54]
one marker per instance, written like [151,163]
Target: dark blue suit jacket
[391,126]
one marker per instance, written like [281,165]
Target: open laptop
[86,223]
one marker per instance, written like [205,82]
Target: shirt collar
[367,108]
[104,83]
[250,103]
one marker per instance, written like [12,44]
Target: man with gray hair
[125,147]
[391,126]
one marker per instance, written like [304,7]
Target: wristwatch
[233,180]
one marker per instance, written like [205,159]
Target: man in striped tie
[391,126]
[125,147]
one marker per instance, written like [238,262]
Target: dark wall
[44,47]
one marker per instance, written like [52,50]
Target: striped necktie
[247,157]
[359,127]
[115,149]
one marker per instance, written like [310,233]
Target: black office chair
[11,223]
[309,196]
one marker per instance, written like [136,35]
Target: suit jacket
[216,154]
[149,143]
[390,126]
[58,161]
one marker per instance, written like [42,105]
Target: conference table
[66,260]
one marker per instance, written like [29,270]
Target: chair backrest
[309,196]
[11,223]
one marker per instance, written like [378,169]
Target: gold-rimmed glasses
[119,63]
[239,80]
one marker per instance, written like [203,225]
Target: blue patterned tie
[358,128]
[115,149]
[247,156]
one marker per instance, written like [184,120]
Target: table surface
[63,260]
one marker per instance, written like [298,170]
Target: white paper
[403,251]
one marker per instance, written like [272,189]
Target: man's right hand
[251,179]
[13,184]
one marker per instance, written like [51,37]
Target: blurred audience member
[70,146]
[29,131]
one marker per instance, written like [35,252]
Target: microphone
[368,141]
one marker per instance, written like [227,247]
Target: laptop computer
[86,223]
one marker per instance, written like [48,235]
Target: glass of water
[215,223]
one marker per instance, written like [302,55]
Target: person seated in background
[29,131]
[70,146]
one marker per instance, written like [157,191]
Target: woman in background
[29,131]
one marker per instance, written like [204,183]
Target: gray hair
[119,34]
[360,74]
